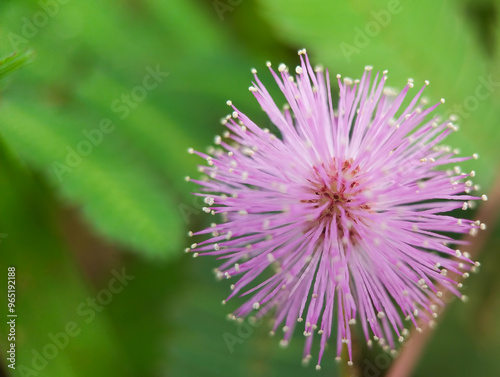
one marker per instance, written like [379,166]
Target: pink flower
[341,216]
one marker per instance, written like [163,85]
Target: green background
[126,205]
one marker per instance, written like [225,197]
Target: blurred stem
[410,354]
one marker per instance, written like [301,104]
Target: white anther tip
[348,81]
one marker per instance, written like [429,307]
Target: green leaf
[122,200]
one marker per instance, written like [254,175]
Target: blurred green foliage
[13,62]
[93,139]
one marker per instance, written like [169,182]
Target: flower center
[340,197]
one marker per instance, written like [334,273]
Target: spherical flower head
[340,216]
